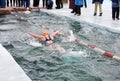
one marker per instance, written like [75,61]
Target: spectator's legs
[75,9]
[18,3]
[14,1]
[61,4]
[27,3]
[21,3]
[113,13]
[78,10]
[95,9]
[100,9]
[117,13]
[57,4]
[44,3]
[7,3]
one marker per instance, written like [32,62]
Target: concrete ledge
[9,69]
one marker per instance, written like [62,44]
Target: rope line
[31,22]
[108,54]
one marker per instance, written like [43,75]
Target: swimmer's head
[45,33]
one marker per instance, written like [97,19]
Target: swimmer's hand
[57,32]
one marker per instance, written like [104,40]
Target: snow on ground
[9,69]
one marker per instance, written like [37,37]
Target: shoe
[78,14]
[75,14]
[113,18]
[117,18]
[72,11]
[61,7]
[57,7]
[95,14]
[100,14]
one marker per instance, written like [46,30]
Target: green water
[78,63]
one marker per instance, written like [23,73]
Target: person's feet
[113,18]
[100,14]
[77,14]
[57,7]
[116,18]
[94,14]
[72,11]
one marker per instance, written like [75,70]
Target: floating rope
[33,23]
[45,27]
[108,54]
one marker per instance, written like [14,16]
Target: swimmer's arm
[55,33]
[36,36]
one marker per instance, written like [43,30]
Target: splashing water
[69,38]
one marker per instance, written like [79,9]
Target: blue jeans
[2,3]
[26,3]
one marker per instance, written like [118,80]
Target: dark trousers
[44,3]
[19,3]
[59,4]
[22,2]
[35,3]
[77,9]
[49,4]
[2,4]
[115,12]
[14,1]
[9,2]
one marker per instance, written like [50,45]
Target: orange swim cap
[45,33]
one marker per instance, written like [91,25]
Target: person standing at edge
[72,5]
[59,4]
[7,3]
[115,9]
[49,4]
[97,3]
[2,3]
[36,4]
[44,3]
[26,3]
[78,5]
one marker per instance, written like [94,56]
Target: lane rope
[33,23]
[106,53]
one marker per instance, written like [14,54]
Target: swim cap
[45,33]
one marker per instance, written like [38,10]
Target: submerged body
[56,47]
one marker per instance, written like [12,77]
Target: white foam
[70,53]
[71,37]
[35,44]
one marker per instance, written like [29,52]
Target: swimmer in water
[48,40]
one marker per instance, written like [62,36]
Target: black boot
[100,14]
[95,14]
[72,11]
